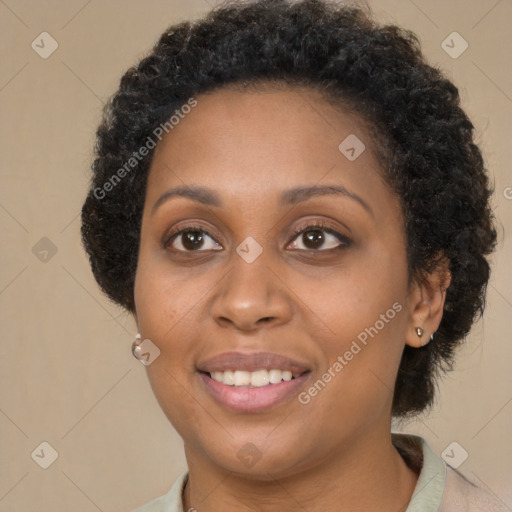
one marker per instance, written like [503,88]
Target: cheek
[165,315]
[353,298]
[162,299]
[360,317]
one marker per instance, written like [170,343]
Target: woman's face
[293,258]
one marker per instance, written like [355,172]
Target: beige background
[67,375]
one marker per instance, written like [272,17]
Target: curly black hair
[430,159]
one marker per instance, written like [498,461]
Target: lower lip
[253,399]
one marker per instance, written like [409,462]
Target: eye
[190,239]
[313,238]
[195,239]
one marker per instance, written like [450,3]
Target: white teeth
[275,376]
[287,375]
[227,377]
[217,376]
[259,378]
[242,378]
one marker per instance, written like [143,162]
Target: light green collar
[429,489]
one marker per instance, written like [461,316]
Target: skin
[298,299]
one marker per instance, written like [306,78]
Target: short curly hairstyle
[429,156]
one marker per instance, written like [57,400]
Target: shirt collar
[418,455]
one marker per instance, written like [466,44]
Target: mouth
[252,382]
[258,379]
[246,398]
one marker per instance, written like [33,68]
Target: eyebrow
[289,197]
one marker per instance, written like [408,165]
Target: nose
[252,295]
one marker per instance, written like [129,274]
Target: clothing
[440,488]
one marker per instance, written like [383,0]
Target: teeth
[227,377]
[287,375]
[257,379]
[275,376]
[242,378]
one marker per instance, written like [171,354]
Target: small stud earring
[428,341]
[135,345]
[419,331]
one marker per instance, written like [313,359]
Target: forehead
[240,141]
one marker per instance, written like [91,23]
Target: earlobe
[422,341]
[427,302]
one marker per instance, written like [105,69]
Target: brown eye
[315,237]
[192,239]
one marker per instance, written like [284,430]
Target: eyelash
[318,225]
[321,226]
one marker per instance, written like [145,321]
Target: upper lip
[251,362]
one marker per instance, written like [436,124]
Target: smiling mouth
[241,396]
[252,382]
[255,379]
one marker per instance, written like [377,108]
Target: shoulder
[170,502]
[441,488]
[461,494]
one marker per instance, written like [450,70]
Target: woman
[289,201]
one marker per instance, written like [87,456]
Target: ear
[426,300]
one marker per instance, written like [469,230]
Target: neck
[368,475]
